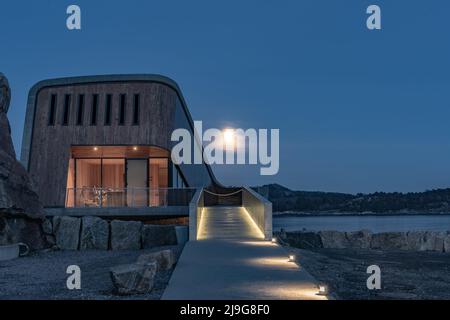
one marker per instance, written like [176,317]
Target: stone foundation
[93,233]
[412,240]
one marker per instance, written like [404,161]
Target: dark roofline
[34,91]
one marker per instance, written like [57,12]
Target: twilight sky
[358,110]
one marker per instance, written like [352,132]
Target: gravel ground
[404,274]
[42,275]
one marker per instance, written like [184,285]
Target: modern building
[105,141]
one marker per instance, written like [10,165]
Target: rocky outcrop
[94,234]
[359,239]
[333,239]
[156,236]
[125,235]
[20,208]
[447,242]
[67,232]
[433,241]
[304,240]
[133,278]
[389,241]
[413,240]
[165,259]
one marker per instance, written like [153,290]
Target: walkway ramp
[227,223]
[231,261]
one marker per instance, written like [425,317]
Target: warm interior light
[135,148]
[95,148]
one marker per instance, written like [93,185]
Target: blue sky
[358,110]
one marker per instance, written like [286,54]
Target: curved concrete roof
[31,104]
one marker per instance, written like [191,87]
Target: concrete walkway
[230,265]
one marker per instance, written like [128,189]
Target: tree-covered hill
[284,199]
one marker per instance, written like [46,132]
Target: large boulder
[447,242]
[359,239]
[157,236]
[333,239]
[165,259]
[67,232]
[414,240]
[15,230]
[389,241]
[125,235]
[133,278]
[18,200]
[433,241]
[94,234]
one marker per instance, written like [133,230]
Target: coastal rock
[389,241]
[157,236]
[28,231]
[447,242]
[359,239]
[18,200]
[304,240]
[94,234]
[67,232]
[47,226]
[133,278]
[414,240]
[165,259]
[333,239]
[125,235]
[433,241]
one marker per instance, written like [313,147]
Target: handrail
[127,197]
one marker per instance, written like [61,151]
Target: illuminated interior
[117,176]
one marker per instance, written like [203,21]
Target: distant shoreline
[287,214]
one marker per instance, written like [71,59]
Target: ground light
[274,240]
[323,290]
[291,258]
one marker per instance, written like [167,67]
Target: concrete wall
[195,214]
[260,209]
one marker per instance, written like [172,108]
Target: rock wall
[93,233]
[20,209]
[412,240]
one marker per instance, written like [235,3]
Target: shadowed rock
[67,232]
[334,239]
[20,209]
[157,236]
[94,234]
[133,278]
[125,235]
[165,259]
[389,241]
[359,239]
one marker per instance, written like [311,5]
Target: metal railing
[127,197]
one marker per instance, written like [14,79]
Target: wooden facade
[100,111]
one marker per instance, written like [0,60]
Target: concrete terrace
[232,261]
